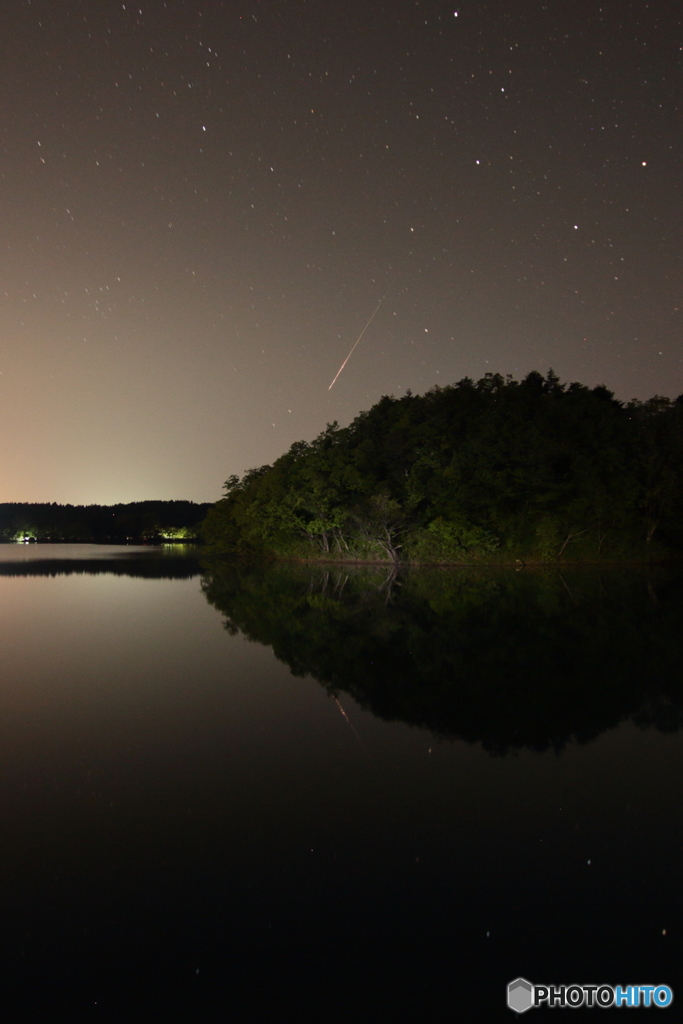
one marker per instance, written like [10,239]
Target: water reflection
[187,832]
[512,660]
[170,562]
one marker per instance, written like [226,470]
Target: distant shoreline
[123,542]
[136,522]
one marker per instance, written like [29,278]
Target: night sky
[202,205]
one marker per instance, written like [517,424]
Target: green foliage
[478,471]
[548,538]
[455,540]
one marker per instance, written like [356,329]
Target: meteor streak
[349,722]
[357,340]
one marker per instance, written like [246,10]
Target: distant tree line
[491,470]
[135,521]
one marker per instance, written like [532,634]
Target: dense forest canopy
[489,470]
[136,521]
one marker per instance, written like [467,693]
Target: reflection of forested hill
[152,566]
[509,659]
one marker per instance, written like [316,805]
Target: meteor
[350,723]
[357,340]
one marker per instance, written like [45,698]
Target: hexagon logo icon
[520,995]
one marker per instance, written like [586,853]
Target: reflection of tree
[147,565]
[511,660]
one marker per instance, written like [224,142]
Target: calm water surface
[289,794]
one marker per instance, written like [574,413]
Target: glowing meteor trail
[357,340]
[348,720]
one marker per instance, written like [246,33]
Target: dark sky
[202,204]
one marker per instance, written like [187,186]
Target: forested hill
[135,521]
[491,470]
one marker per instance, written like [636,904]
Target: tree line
[134,521]
[492,470]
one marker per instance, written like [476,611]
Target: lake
[243,793]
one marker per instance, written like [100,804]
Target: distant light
[644,163]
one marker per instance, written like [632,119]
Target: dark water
[279,794]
